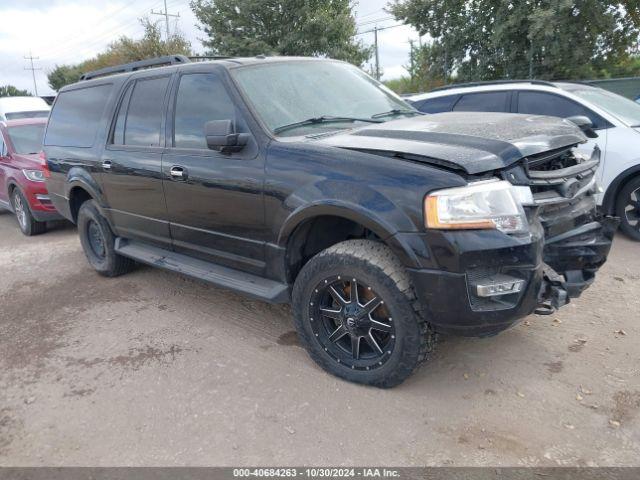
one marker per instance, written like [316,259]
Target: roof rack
[133,66]
[493,82]
[204,58]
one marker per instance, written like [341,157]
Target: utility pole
[33,69]
[375,36]
[166,15]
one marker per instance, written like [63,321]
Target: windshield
[285,93]
[624,109]
[27,138]
[32,114]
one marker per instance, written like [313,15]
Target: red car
[22,174]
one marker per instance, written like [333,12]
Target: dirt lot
[155,369]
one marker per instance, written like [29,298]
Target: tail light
[45,165]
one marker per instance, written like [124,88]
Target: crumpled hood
[474,142]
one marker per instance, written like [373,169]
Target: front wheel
[628,209]
[355,312]
[28,224]
[98,242]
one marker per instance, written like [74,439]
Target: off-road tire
[374,263]
[624,197]
[26,221]
[109,264]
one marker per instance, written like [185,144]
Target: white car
[15,108]
[615,119]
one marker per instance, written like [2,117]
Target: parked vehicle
[382,226]
[22,184]
[15,108]
[616,120]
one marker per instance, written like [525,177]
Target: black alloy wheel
[628,208]
[351,323]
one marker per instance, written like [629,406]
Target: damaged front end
[577,239]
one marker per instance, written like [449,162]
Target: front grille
[563,185]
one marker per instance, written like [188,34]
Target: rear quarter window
[76,116]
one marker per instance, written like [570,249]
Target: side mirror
[584,124]
[221,135]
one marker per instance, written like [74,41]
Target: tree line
[463,40]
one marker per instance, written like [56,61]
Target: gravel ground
[155,369]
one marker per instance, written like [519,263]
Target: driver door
[215,202]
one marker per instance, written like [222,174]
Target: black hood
[474,142]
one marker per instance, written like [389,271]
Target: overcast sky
[69,31]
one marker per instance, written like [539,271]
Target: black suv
[305,181]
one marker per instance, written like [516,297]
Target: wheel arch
[611,195]
[343,222]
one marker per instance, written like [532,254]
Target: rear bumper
[553,273]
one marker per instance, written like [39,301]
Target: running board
[251,285]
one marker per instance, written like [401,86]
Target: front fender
[358,203]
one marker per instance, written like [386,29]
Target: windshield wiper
[323,119]
[397,111]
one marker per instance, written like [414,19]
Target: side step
[251,285]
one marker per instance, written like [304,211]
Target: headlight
[34,175]
[490,204]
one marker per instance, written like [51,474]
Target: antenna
[33,69]
[166,16]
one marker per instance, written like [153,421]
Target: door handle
[178,173]
[106,165]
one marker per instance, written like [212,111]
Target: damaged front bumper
[571,261]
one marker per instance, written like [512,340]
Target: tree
[280,27]
[11,91]
[549,39]
[123,50]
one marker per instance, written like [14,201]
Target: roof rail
[133,66]
[493,82]
[204,58]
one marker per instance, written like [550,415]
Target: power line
[166,15]
[33,69]
[377,20]
[379,29]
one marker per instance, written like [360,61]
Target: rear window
[76,115]
[483,102]
[33,114]
[26,138]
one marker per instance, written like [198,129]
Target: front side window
[483,102]
[201,98]
[541,103]
[26,138]
[286,92]
[139,120]
[76,115]
[3,148]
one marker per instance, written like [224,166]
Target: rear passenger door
[132,162]
[215,204]
[4,197]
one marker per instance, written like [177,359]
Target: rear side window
[483,102]
[201,98]
[139,120]
[437,105]
[75,118]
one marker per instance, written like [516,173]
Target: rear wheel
[628,208]
[356,314]
[98,242]
[28,224]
